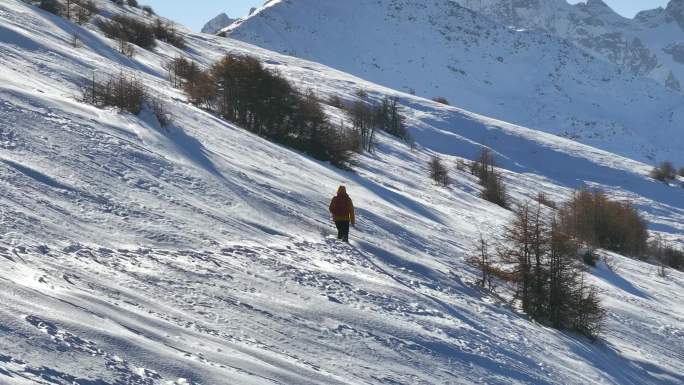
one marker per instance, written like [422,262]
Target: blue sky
[630,8]
[195,13]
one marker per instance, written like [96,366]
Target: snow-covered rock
[218,23]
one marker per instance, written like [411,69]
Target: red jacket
[341,207]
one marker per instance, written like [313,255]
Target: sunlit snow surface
[201,254]
[438,48]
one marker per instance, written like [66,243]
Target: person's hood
[342,191]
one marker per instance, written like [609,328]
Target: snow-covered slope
[200,254]
[437,48]
[647,45]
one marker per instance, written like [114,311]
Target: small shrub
[662,270]
[363,122]
[462,165]
[490,179]
[147,10]
[202,91]
[483,261]
[181,71]
[368,117]
[125,48]
[52,6]
[664,172]
[130,30]
[335,101]
[82,10]
[133,3]
[76,41]
[390,119]
[681,172]
[361,93]
[665,254]
[441,100]
[167,33]
[597,221]
[122,91]
[590,258]
[543,199]
[118,2]
[438,172]
[160,111]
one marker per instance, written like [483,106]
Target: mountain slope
[438,48]
[200,253]
[642,46]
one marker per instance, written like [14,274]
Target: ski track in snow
[202,254]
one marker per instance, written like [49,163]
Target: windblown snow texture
[202,254]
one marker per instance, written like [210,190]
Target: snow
[528,77]
[202,254]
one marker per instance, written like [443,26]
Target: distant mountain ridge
[525,75]
[646,45]
[218,23]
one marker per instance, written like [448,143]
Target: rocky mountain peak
[675,12]
[216,24]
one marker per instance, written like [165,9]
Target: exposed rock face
[675,11]
[218,23]
[676,51]
[672,82]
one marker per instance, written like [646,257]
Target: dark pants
[342,230]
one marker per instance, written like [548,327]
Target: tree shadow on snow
[609,276]
[621,369]
[457,134]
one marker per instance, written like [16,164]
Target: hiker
[342,210]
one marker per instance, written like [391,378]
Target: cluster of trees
[183,71]
[129,30]
[484,168]
[167,33]
[493,187]
[542,261]
[441,100]
[665,254]
[241,90]
[549,278]
[79,11]
[541,255]
[124,92]
[599,222]
[438,172]
[666,172]
[368,117]
[134,3]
